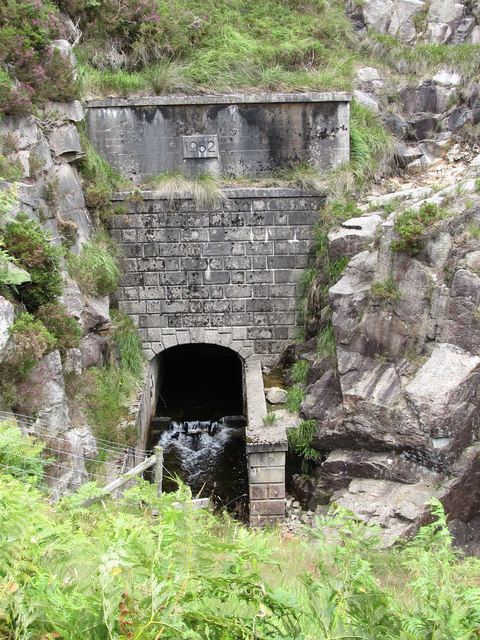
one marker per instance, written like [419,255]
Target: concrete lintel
[261,447]
[229,192]
[234,98]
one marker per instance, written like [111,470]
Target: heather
[32,72]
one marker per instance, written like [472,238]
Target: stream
[201,426]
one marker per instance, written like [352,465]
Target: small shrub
[33,72]
[269,419]
[108,395]
[385,291]
[10,170]
[20,455]
[300,441]
[96,268]
[52,193]
[10,275]
[97,196]
[299,371]
[295,397]
[8,198]
[411,226]
[326,345]
[65,329]
[128,344]
[35,164]
[33,250]
[68,230]
[32,341]
[474,230]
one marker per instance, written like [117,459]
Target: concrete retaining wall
[231,135]
[266,450]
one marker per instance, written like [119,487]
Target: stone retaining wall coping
[232,98]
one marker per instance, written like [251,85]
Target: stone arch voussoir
[220,337]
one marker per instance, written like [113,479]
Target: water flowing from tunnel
[201,426]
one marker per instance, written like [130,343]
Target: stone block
[259,491]
[275,491]
[262,521]
[259,248]
[266,475]
[287,275]
[258,276]
[281,262]
[258,459]
[275,458]
[267,507]
[216,277]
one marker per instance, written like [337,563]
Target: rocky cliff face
[435,21]
[45,150]
[397,415]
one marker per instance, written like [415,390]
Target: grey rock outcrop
[397,415]
[95,313]
[43,394]
[93,349]
[353,236]
[7,312]
[69,472]
[47,147]
[438,21]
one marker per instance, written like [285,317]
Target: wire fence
[73,458]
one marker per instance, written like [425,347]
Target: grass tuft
[303,176]
[385,291]
[299,371]
[295,397]
[300,441]
[204,190]
[326,345]
[411,226]
[96,268]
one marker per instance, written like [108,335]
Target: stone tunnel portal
[224,273]
[200,422]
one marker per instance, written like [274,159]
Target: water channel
[200,423]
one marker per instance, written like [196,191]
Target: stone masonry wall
[227,276]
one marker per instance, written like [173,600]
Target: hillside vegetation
[141,568]
[153,46]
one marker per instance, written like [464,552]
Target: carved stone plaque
[200,146]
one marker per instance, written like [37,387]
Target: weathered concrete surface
[246,134]
[266,449]
[227,276]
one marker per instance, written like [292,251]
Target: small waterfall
[208,455]
[199,423]
[199,446]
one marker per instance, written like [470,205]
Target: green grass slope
[140,568]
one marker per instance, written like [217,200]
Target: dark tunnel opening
[200,423]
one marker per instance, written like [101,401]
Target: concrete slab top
[260,436]
[229,192]
[235,98]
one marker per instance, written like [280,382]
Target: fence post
[158,475]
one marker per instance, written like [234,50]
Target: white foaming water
[198,446]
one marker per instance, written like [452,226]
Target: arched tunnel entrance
[200,422]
